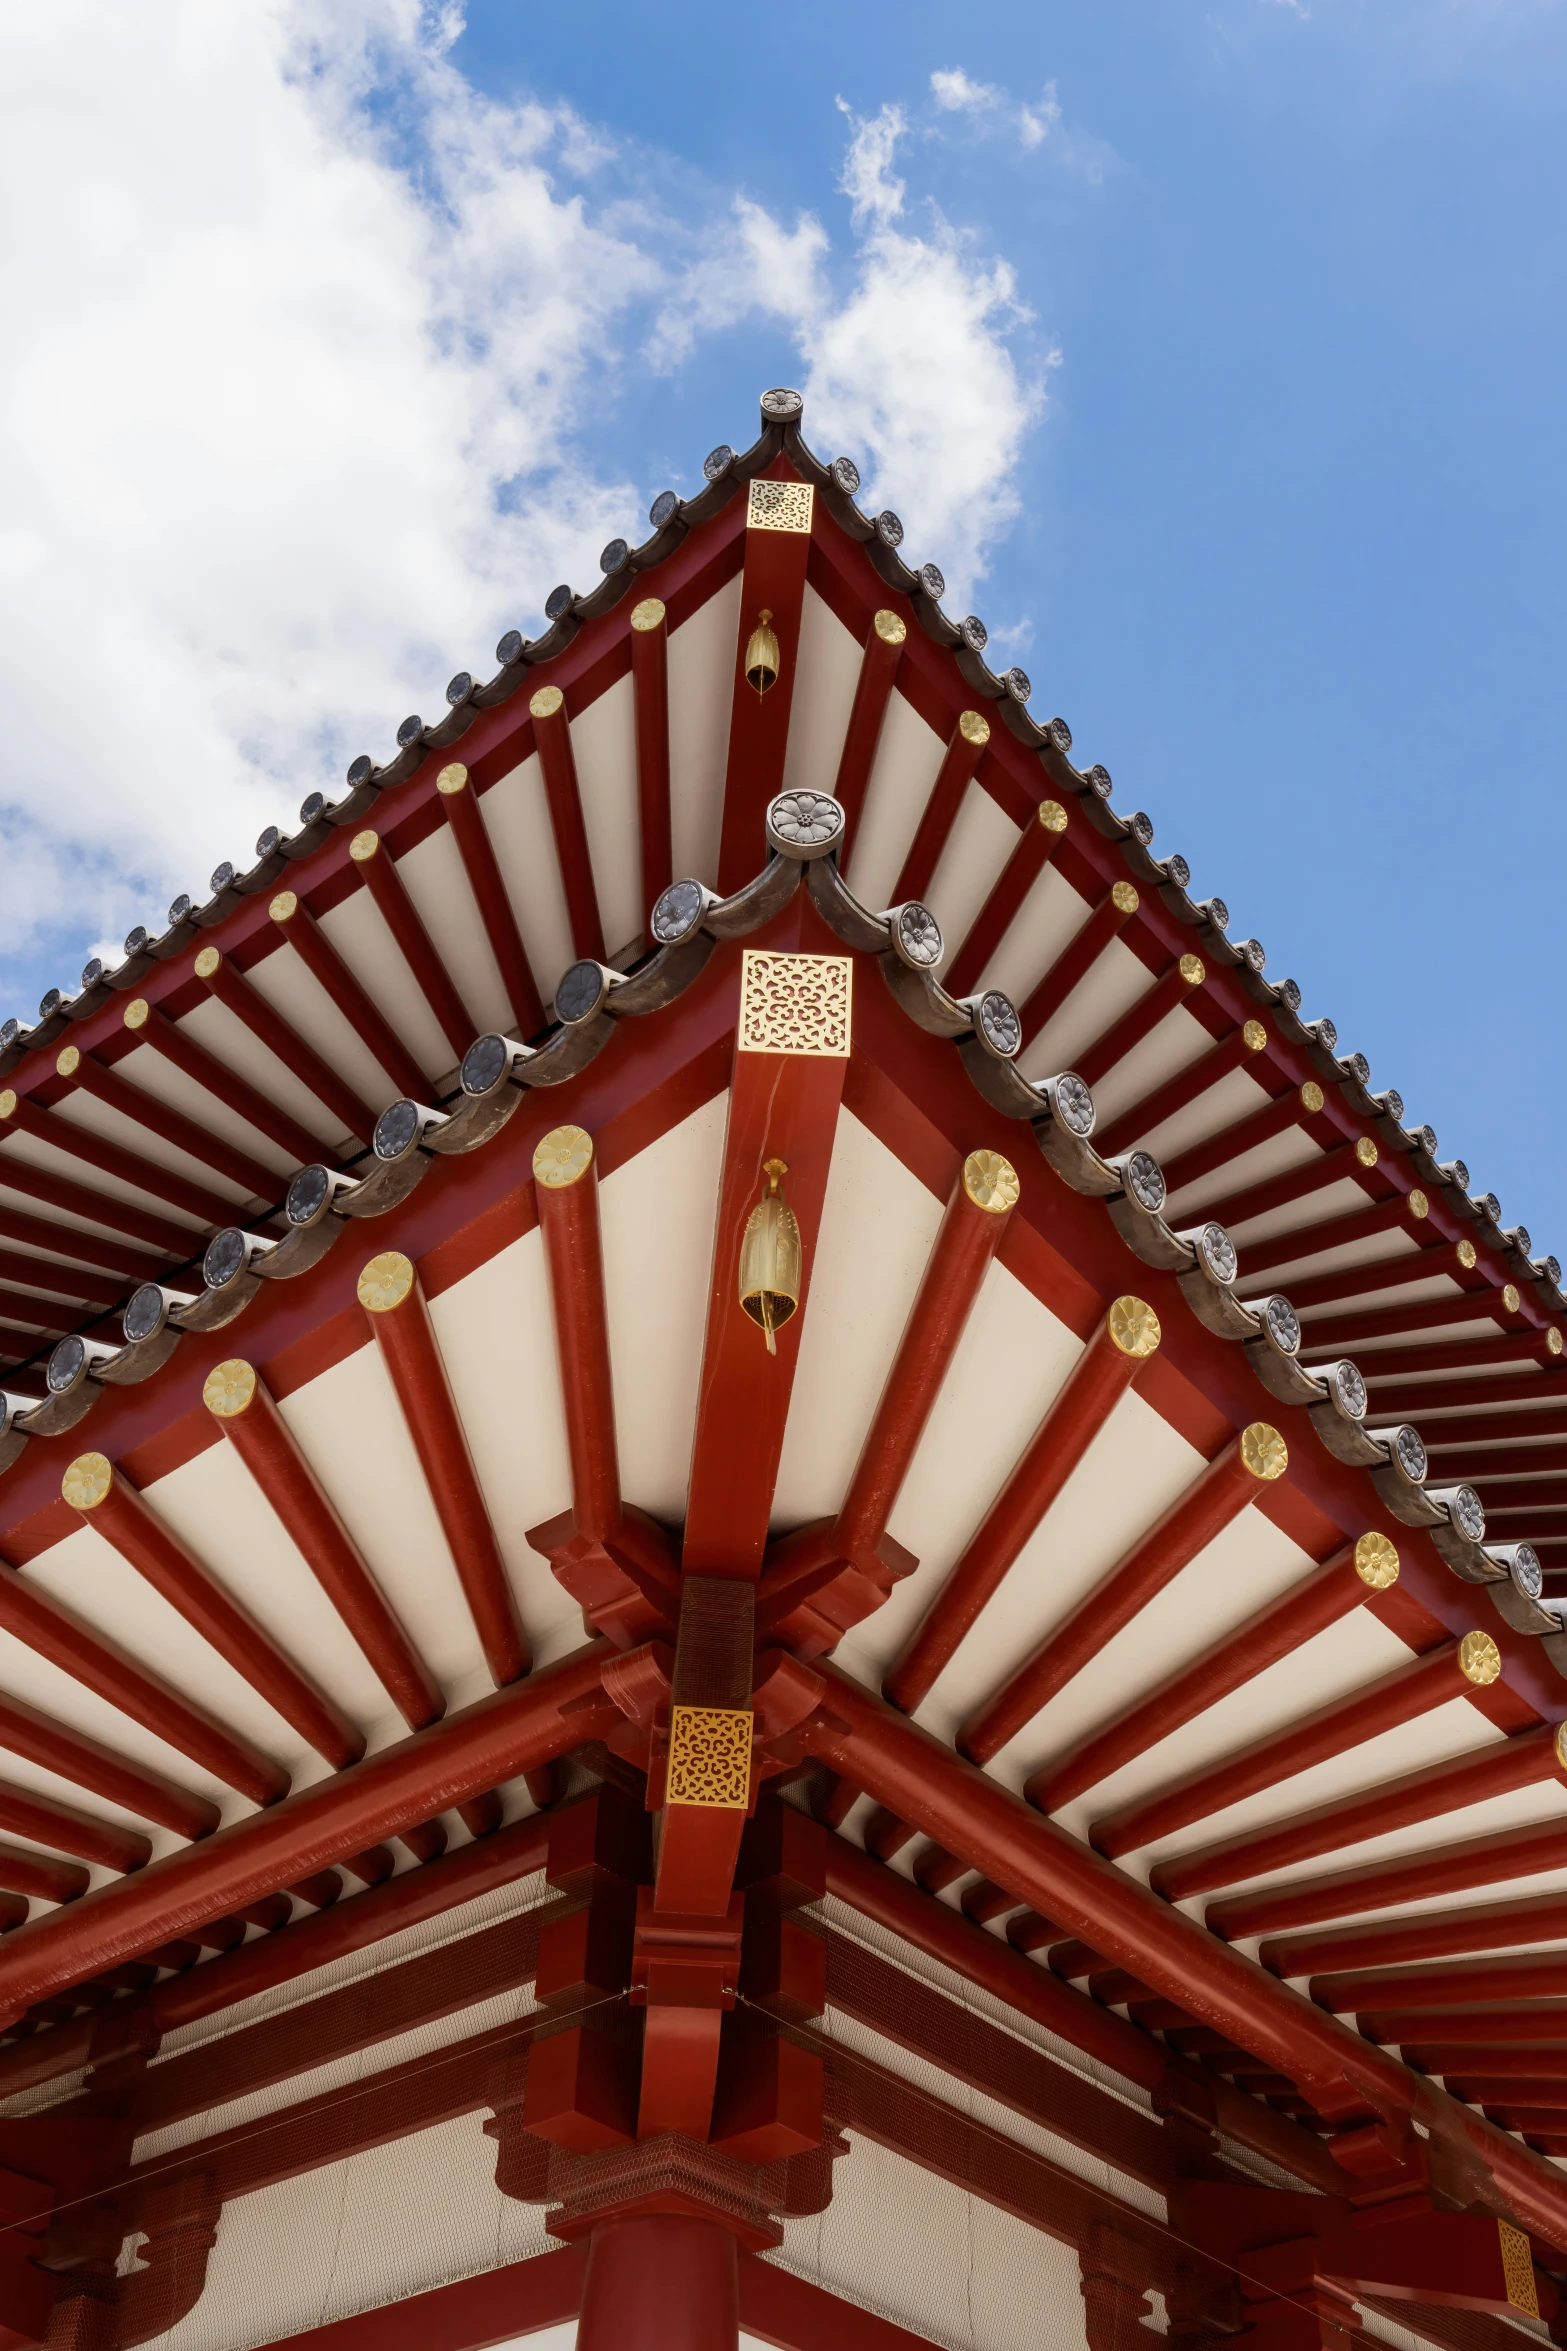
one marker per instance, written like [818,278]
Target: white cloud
[312,347]
[954,93]
[991,109]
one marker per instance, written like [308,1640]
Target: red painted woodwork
[1446,1983]
[408,1347]
[1452,1867]
[1293,1185]
[1308,1608]
[816,1588]
[1286,1110]
[663,2281]
[1390,1363]
[89,1764]
[1394,1698]
[1416,1795]
[1485,1926]
[57,1191]
[1394,1399]
[414,943]
[781,1106]
[967,1812]
[650,698]
[1173,986]
[1438,1256]
[1306,1241]
[224,980]
[1359,1325]
[872,693]
[965,750]
[1213,1499]
[1188,1085]
[267,1446]
[1092,1389]
[38,1232]
[461,810]
[49,1822]
[66,1281]
[1517,2026]
[41,1875]
[552,737]
[255,1180]
[112,1159]
[39,1313]
[471,1751]
[772,580]
[369,1023]
[124,1519]
[1036,845]
[1105,920]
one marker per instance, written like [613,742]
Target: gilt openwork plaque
[1518,2270]
[779,506]
[710,1757]
[795,1003]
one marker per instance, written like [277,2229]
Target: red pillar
[661,2281]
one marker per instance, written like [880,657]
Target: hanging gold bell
[770,1258]
[761,656]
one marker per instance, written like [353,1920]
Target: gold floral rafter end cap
[1133,1326]
[229,1388]
[1376,1561]
[991,1181]
[561,1157]
[87,1481]
[1264,1451]
[385,1282]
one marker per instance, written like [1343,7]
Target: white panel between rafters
[604,746]
[26,1205]
[1114,983]
[1344,1198]
[1179,1040]
[50,1161]
[978,846]
[435,878]
[1437,1285]
[224,1035]
[1294,1148]
[516,816]
[907,762]
[1395,1242]
[1049,918]
[823,697]
[1237,1095]
[310,1012]
[79,1109]
[357,929]
[702,659]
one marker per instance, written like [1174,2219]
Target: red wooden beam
[103,1497]
[1215,1497]
[965,749]
[1358,1325]
[1035,847]
[1292,1108]
[1501,1437]
[414,943]
[779,516]
[1398,1215]
[1530,1346]
[650,696]
[783,1105]
[1436,1788]
[474,2314]
[1521,2024]
[1106,919]
[461,811]
[186,1134]
[552,736]
[1352,1160]
[884,642]
[322,960]
[394,1302]
[508,1732]
[964,1810]
[112,1159]
[49,1822]
[803,1596]
[1155,1004]
[1505,1496]
[41,1876]
[1394,1698]
[1329,1592]
[1107,1367]
[224,981]
[1448,1983]
[1483,1926]
[63,1281]
[1188,1085]
[57,1191]
[1450,1868]
[41,1313]
[240,1404]
[1439,1256]
[113,1778]
[1398,1398]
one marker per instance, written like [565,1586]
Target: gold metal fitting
[135,1013]
[1124,898]
[385,1282]
[1560,1744]
[1467,1255]
[1264,1451]
[8,1103]
[891,627]
[1133,1327]
[364,845]
[1479,1659]
[1052,816]
[1553,1341]
[284,906]
[87,1481]
[1418,1204]
[1366,1151]
[1518,2278]
[1311,1097]
[546,702]
[762,656]
[229,1388]
[69,1061]
[1254,1036]
[1193,970]
[1376,1562]
[710,1757]
[1510,1298]
[452,778]
[648,615]
[207,962]
[561,1157]
[974,727]
[772,1258]
[990,1181]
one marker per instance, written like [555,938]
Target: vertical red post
[650,694]
[661,2281]
[965,749]
[461,811]
[552,734]
[878,671]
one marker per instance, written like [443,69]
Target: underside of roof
[1141,1497]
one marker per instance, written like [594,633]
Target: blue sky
[1217,351]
